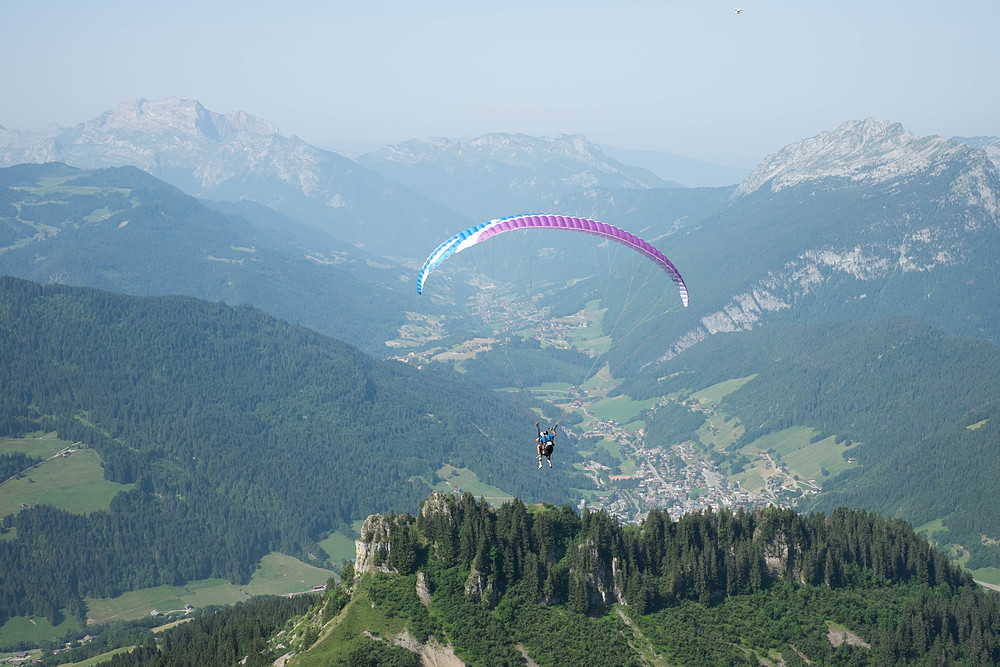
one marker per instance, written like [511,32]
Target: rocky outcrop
[371,552]
[481,588]
[601,576]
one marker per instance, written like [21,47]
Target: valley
[205,401]
[631,472]
[711,468]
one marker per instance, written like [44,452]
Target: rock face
[371,552]
[481,588]
[601,578]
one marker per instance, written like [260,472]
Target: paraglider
[546,443]
[482,232]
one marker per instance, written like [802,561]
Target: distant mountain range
[497,175]
[871,152]
[237,157]
[867,208]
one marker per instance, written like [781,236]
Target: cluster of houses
[679,480]
[34,657]
[23,658]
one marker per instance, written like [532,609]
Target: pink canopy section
[480,233]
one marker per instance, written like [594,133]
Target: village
[679,479]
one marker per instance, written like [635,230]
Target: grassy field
[932,529]
[173,624]
[612,448]
[554,392]
[36,630]
[752,479]
[99,659]
[165,599]
[729,430]
[277,574]
[620,408]
[715,393]
[600,381]
[591,337]
[626,464]
[455,479]
[41,445]
[339,546]
[806,459]
[987,575]
[75,483]
[359,617]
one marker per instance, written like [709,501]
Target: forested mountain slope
[924,406]
[123,230]
[244,434]
[550,586]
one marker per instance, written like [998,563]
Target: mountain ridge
[237,156]
[867,152]
[121,229]
[498,174]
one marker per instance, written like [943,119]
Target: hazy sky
[691,78]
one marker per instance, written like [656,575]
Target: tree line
[869,573]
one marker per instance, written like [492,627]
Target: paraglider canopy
[479,233]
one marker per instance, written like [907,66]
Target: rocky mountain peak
[175,116]
[863,151]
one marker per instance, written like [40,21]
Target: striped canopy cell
[479,233]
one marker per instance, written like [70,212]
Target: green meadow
[794,448]
[987,575]
[715,393]
[40,446]
[727,431]
[99,659]
[932,529]
[74,483]
[622,409]
[463,480]
[592,336]
[277,574]
[339,547]
[36,630]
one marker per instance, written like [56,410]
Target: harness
[547,443]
